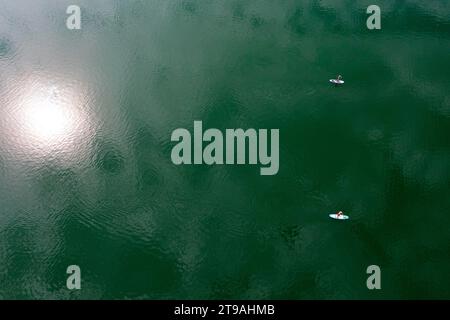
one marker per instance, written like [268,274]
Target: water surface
[86,176]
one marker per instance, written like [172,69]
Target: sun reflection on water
[42,118]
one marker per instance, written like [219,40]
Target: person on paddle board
[339,214]
[337,81]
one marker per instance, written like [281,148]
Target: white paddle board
[337,81]
[341,217]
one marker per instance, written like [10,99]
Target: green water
[86,176]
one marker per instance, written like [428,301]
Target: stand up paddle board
[339,217]
[337,81]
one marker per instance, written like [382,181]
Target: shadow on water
[7,50]
[108,158]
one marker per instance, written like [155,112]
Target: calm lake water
[86,176]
